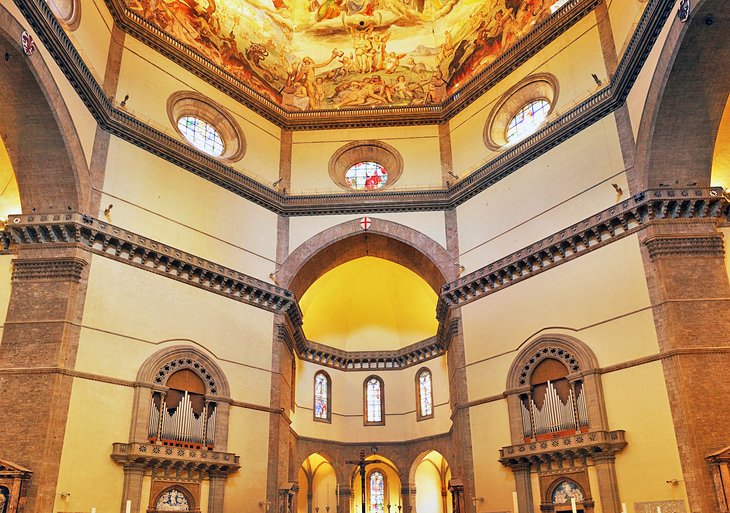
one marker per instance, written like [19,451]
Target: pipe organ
[555,415]
[179,421]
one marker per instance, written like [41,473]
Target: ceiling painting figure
[332,54]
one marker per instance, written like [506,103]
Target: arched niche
[153,377]
[685,101]
[384,239]
[38,131]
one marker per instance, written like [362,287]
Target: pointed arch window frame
[419,411]
[366,419]
[328,378]
[369,493]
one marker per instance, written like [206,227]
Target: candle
[328,495]
[128,508]
[572,505]
[658,509]
[623,508]
[93,510]
[515,503]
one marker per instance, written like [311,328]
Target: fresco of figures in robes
[332,54]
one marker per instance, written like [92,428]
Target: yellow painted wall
[149,79]
[248,436]
[99,414]
[93,36]
[311,151]
[624,15]
[347,404]
[159,200]
[561,187]
[571,58]
[383,306]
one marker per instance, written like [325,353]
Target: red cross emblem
[365,223]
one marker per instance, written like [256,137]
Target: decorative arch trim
[576,355]
[162,364]
[365,151]
[385,239]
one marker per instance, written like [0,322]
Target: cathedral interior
[364,256]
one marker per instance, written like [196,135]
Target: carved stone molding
[611,224]
[160,460]
[123,125]
[685,245]
[564,452]
[47,269]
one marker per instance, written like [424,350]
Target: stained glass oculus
[527,120]
[201,134]
[425,394]
[321,396]
[377,492]
[366,176]
[374,400]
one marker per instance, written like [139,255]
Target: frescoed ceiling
[312,55]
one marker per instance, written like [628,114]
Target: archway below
[9,194]
[432,480]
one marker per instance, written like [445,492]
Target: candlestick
[93,510]
[658,509]
[623,508]
[128,508]
[515,503]
[572,505]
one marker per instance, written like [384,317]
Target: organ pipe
[554,415]
[181,423]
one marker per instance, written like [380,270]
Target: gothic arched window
[322,397]
[374,401]
[182,416]
[424,393]
[377,488]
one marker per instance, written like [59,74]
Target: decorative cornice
[143,456]
[199,65]
[596,445]
[123,125]
[611,224]
[138,251]
[685,245]
[47,269]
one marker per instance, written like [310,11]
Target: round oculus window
[527,120]
[201,134]
[366,176]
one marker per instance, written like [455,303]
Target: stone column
[132,488]
[607,482]
[689,290]
[216,491]
[408,497]
[456,487]
[523,485]
[343,500]
[39,344]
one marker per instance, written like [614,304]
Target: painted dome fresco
[313,55]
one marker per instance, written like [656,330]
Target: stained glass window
[201,134]
[366,176]
[172,500]
[425,394]
[527,120]
[321,396]
[377,492]
[374,399]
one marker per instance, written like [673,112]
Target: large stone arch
[685,101]
[38,131]
[384,239]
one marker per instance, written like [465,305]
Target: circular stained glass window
[366,176]
[201,134]
[527,120]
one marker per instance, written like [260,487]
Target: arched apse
[431,474]
[38,131]
[317,484]
[685,101]
[392,485]
[384,239]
